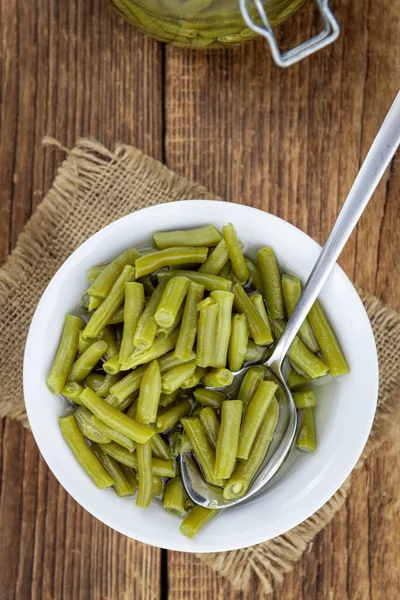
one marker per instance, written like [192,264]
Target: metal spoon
[371,172]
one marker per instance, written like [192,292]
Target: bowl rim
[314,506]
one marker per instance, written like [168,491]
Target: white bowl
[344,412]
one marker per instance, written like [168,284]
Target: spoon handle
[371,172]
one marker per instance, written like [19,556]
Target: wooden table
[289,142]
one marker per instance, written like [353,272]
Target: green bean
[306,436]
[226,270]
[131,412]
[138,432]
[128,384]
[254,274]
[258,302]
[73,391]
[238,342]
[250,383]
[93,272]
[149,396]
[175,497]
[291,287]
[239,266]
[107,335]
[164,332]
[112,366]
[83,454]
[65,354]
[209,398]
[130,475]
[179,443]
[167,399]
[171,300]
[108,276]
[194,379]
[108,383]
[195,520]
[146,329]
[123,485]
[83,417]
[204,236]
[188,330]
[170,256]
[118,317]
[206,335]
[90,302]
[172,415]
[145,475]
[258,329]
[159,448]
[246,470]
[83,343]
[217,378]
[304,399]
[295,380]
[254,353]
[228,438]
[254,416]
[210,282]
[113,435]
[302,355]
[110,304]
[327,341]
[147,283]
[204,303]
[216,260]
[120,404]
[271,280]
[210,424]
[133,309]
[169,361]
[158,349]
[223,330]
[204,453]
[161,468]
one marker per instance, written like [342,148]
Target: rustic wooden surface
[286,141]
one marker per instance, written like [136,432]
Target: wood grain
[285,141]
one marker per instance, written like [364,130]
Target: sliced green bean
[146,329]
[196,520]
[83,343]
[145,475]
[112,366]
[258,302]
[109,381]
[158,487]
[108,276]
[65,355]
[147,283]
[117,317]
[246,470]
[124,485]
[93,272]
[206,335]
[209,398]
[171,300]
[172,415]
[167,399]
[204,453]
[131,412]
[158,349]
[254,416]
[131,476]
[113,434]
[250,383]
[83,454]
[90,302]
[110,304]
[327,341]
[294,380]
[73,391]
[120,404]
[83,417]
[238,342]
[203,236]
[188,330]
[228,438]
[107,335]
[226,271]
[258,329]
[163,332]
[138,432]
[304,399]
[239,266]
[254,353]
[128,384]
[175,497]
[223,330]
[170,256]
[217,378]
[216,260]
[210,423]
[291,287]
[133,309]
[271,280]
[204,303]
[254,273]
[210,282]
[169,361]
[161,468]
[159,448]
[194,379]
[306,436]
[179,443]
[149,396]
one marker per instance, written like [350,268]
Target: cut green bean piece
[147,283]
[254,353]
[146,329]
[238,342]
[171,300]
[254,416]
[216,260]
[65,355]
[107,277]
[291,292]
[107,335]
[254,273]
[204,453]
[158,349]
[170,256]
[196,520]
[73,391]
[128,384]
[246,470]
[209,398]
[206,302]
[217,378]
[123,485]
[203,236]
[250,383]
[118,317]
[83,343]
[179,443]
[113,434]
[306,436]
[206,335]
[145,475]
[93,272]
[239,266]
[175,497]
[109,381]
[169,361]
[304,399]
[130,475]
[294,380]
[83,417]
[108,307]
[167,399]
[258,302]
[138,432]
[159,448]
[271,280]
[228,438]
[112,366]
[172,415]
[226,270]
[164,332]
[223,330]
[188,330]
[210,282]
[194,379]
[149,396]
[133,309]
[158,487]
[210,423]
[131,412]
[161,468]
[83,454]
[302,355]
[258,329]
[327,341]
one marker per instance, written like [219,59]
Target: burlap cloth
[94,187]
